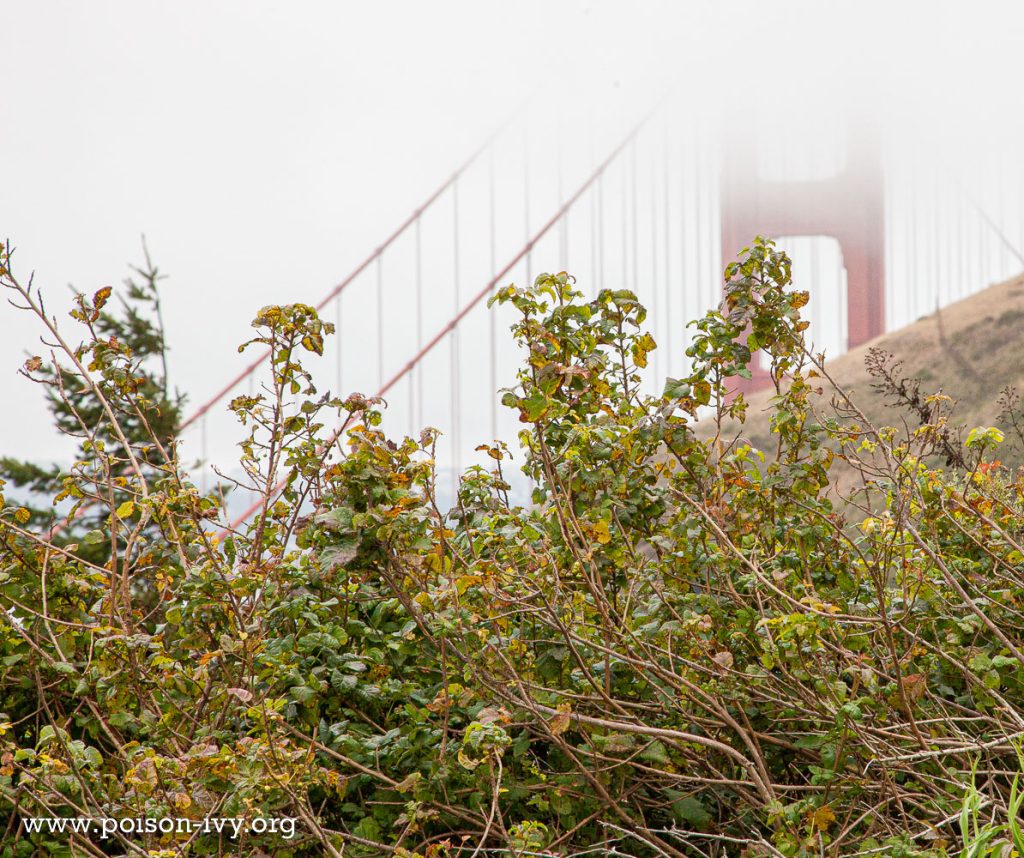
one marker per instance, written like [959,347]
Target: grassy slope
[970,350]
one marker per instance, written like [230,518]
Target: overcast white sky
[264,148]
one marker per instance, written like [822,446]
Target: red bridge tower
[849,207]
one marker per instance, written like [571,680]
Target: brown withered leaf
[723,659]
[914,686]
[560,723]
[241,693]
[490,714]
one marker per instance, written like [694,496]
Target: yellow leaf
[22,515]
[207,656]
[641,347]
[464,582]
[408,783]
[126,509]
[100,298]
[602,533]
[822,818]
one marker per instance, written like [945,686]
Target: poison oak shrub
[681,647]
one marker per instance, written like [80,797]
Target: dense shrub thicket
[682,647]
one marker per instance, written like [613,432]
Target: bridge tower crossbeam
[848,206]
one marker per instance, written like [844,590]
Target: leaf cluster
[680,647]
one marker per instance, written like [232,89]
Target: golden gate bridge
[880,234]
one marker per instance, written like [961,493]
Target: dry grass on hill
[971,350]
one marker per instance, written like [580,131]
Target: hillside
[971,350]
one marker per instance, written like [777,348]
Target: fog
[264,149]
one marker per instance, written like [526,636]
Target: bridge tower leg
[849,207]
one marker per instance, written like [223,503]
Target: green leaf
[676,389]
[984,436]
[302,693]
[534,406]
[655,753]
[691,810]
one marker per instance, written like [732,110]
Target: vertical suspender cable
[974,241]
[961,243]
[338,339]
[982,279]
[655,281]
[699,221]
[921,288]
[844,307]
[416,381]
[1020,204]
[491,316]
[592,289]
[1001,214]
[419,322]
[912,243]
[897,253]
[600,230]
[814,285]
[593,242]
[636,216]
[526,220]
[886,238]
[563,226]
[204,453]
[936,290]
[526,201]
[915,244]
[900,245]
[684,259]
[668,256]
[947,225]
[624,213]
[456,403]
[715,251]
[380,319]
